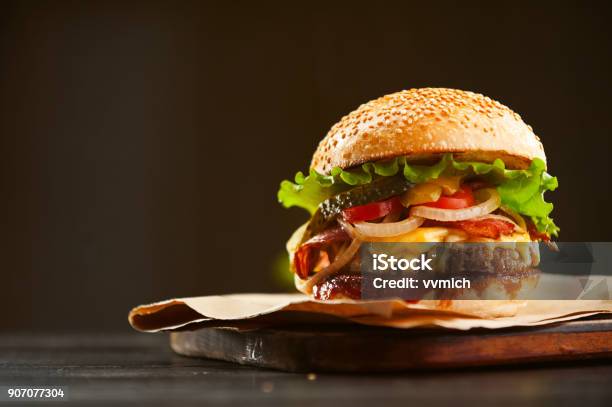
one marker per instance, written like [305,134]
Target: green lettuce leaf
[309,191]
[520,190]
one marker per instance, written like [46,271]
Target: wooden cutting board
[355,348]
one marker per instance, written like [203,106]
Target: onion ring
[453,215]
[368,229]
[518,219]
[340,261]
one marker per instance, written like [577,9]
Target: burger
[421,165]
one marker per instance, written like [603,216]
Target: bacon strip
[535,234]
[491,228]
[309,252]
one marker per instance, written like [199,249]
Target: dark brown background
[142,143]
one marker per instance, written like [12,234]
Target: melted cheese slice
[442,234]
[422,235]
[439,234]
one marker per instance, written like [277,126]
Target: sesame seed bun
[423,124]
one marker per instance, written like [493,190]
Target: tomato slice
[463,198]
[372,210]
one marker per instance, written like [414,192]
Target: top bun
[423,124]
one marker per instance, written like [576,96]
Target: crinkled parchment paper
[260,309]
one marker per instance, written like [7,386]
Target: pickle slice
[377,190]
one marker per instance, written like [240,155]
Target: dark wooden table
[140,369]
